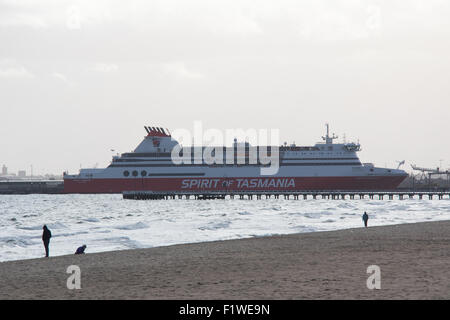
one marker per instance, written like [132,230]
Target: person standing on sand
[46,235]
[365,218]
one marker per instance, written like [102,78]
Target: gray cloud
[376,70]
[11,69]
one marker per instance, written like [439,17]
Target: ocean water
[108,222]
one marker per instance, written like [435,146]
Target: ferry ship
[152,167]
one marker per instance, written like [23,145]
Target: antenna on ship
[327,138]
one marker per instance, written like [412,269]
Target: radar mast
[327,138]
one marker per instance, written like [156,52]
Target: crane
[400,163]
[430,172]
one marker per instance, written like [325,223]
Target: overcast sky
[79,78]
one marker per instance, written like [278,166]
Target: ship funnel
[157,131]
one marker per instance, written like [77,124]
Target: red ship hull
[259,184]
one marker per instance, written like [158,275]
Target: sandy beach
[414,262]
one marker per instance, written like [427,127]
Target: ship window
[143,173]
[371,170]
[126,173]
[135,173]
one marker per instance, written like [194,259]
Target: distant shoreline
[413,259]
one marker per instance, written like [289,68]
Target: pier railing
[334,195]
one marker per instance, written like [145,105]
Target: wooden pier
[329,195]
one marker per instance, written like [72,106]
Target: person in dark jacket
[365,218]
[81,249]
[46,235]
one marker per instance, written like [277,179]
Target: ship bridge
[328,145]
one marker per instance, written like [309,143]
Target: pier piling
[334,195]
